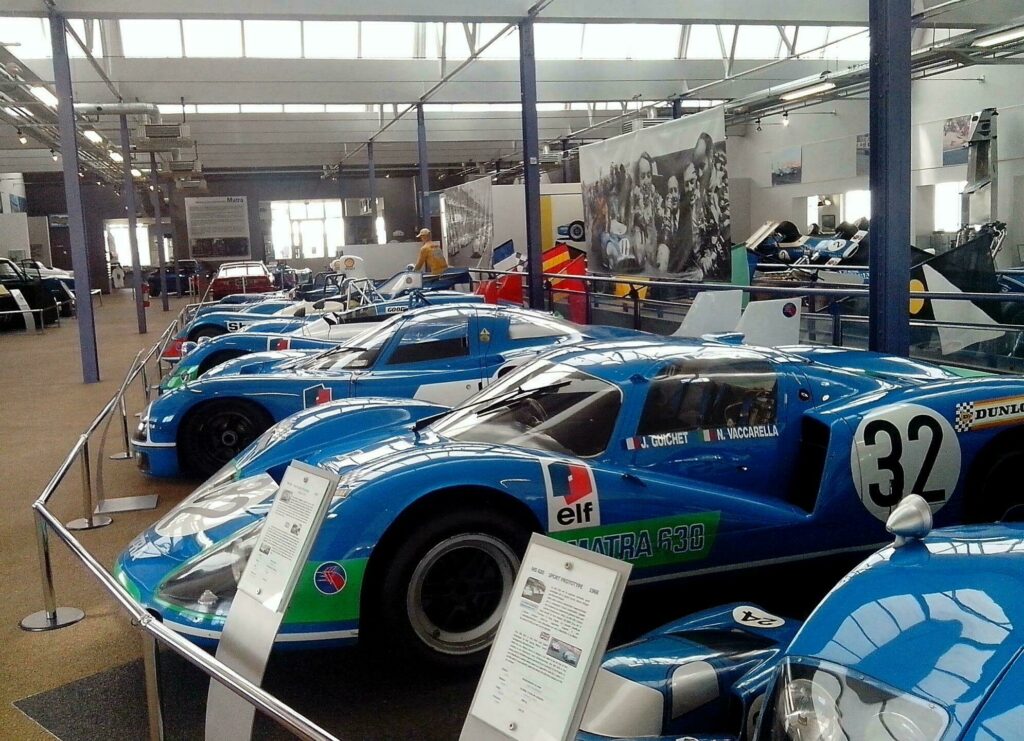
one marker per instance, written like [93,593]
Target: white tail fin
[954,339]
[771,323]
[710,313]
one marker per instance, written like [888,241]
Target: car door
[434,357]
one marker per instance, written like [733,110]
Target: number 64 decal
[900,450]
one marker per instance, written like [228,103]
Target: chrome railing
[154,633]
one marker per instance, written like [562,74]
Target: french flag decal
[316,395]
[634,443]
[279,344]
[712,436]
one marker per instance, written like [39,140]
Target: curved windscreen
[548,407]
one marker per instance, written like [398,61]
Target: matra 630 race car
[921,642]
[440,353]
[681,457]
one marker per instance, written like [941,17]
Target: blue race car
[922,641]
[681,457]
[440,353]
[295,333]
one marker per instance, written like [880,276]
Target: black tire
[577,231]
[991,497]
[212,361]
[214,433]
[446,586]
[206,331]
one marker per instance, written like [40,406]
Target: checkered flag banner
[964,416]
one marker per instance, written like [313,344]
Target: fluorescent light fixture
[53,155]
[22,138]
[1002,37]
[44,95]
[116,156]
[92,136]
[785,118]
[806,92]
[136,173]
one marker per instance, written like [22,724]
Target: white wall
[829,156]
[39,238]
[381,260]
[14,235]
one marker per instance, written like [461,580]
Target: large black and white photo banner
[467,220]
[657,200]
[218,227]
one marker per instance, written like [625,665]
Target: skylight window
[345,108]
[32,36]
[273,39]
[630,41]
[757,42]
[849,44]
[388,40]
[209,38]
[74,50]
[330,39]
[456,43]
[151,37]
[175,109]
[507,47]
[811,37]
[557,40]
[304,108]
[202,108]
[261,107]
[704,43]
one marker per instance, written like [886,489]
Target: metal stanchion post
[127,454]
[837,325]
[634,293]
[91,520]
[151,668]
[145,382]
[590,308]
[51,617]
[549,295]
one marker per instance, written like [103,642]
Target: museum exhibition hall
[527,370]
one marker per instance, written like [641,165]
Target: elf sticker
[752,617]
[572,496]
[316,395]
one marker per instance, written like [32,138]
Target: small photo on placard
[564,652]
[534,590]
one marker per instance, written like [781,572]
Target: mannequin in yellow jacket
[431,255]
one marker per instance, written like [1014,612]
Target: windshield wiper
[520,394]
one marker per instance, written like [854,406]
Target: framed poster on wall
[218,227]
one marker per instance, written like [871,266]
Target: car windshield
[7,270]
[814,701]
[240,271]
[358,352]
[546,407]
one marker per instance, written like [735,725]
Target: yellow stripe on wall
[547,225]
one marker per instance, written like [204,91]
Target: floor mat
[347,693]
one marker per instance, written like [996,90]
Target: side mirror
[911,520]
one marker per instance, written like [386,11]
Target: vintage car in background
[319,331]
[241,277]
[923,641]
[177,282]
[681,457]
[441,353]
[37,292]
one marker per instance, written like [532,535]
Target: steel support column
[565,160]
[73,196]
[677,108]
[371,187]
[421,144]
[531,162]
[889,106]
[157,194]
[129,206]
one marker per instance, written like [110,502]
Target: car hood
[258,363]
[942,618]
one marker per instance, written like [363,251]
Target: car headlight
[208,584]
[825,702]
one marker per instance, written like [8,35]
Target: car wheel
[206,332]
[577,231]
[215,433]
[991,498]
[447,586]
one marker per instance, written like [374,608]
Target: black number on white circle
[892,462]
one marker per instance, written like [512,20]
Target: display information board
[218,227]
[264,590]
[549,645]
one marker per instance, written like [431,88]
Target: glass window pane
[303,108]
[315,210]
[335,232]
[212,38]
[175,109]
[332,209]
[217,108]
[261,107]
[557,40]
[757,42]
[74,50]
[296,210]
[947,206]
[653,41]
[312,238]
[456,44]
[507,47]
[811,37]
[388,40]
[812,210]
[850,45]
[604,41]
[703,43]
[330,39]
[31,34]
[151,37]
[273,39]
[856,205]
[280,234]
[345,108]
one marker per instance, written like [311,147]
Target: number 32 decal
[900,450]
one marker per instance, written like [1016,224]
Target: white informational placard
[549,645]
[264,591]
[218,227]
